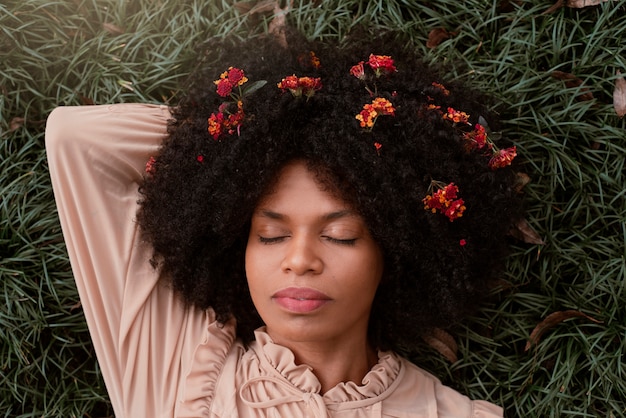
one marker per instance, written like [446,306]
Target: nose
[301,257]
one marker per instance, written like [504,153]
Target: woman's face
[312,266]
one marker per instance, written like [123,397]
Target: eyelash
[348,242]
[274,240]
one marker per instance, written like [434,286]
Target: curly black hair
[196,206]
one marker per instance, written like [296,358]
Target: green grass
[106,51]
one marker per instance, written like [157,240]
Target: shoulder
[420,390]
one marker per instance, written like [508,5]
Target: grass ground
[553,71]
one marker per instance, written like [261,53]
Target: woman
[301,218]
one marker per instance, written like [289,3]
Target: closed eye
[271,240]
[348,242]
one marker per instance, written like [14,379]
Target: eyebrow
[327,217]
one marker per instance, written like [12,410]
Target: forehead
[299,184]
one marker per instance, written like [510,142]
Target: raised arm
[140,330]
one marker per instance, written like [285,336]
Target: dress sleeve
[141,331]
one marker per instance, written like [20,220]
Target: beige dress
[160,359]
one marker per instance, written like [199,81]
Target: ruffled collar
[301,385]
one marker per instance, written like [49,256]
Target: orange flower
[379,106]
[309,85]
[441,87]
[383,106]
[367,116]
[309,60]
[315,61]
[456,116]
[216,122]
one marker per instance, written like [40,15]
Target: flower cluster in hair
[445,199]
[310,60]
[196,217]
[371,111]
[476,138]
[228,120]
[379,65]
[301,86]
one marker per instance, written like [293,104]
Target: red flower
[236,77]
[223,87]
[229,79]
[200,158]
[450,191]
[462,242]
[289,83]
[502,158]
[477,139]
[358,71]
[150,165]
[306,86]
[445,201]
[220,124]
[455,209]
[378,146]
[381,64]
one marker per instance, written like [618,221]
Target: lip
[300,299]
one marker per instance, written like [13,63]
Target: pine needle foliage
[572,143]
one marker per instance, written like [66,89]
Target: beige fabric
[159,359]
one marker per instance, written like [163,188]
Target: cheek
[257,265]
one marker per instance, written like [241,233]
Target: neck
[333,362]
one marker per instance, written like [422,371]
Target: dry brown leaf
[437,36]
[112,29]
[16,123]
[579,4]
[619,95]
[524,232]
[279,22]
[75,306]
[85,101]
[521,181]
[571,81]
[444,343]
[551,321]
